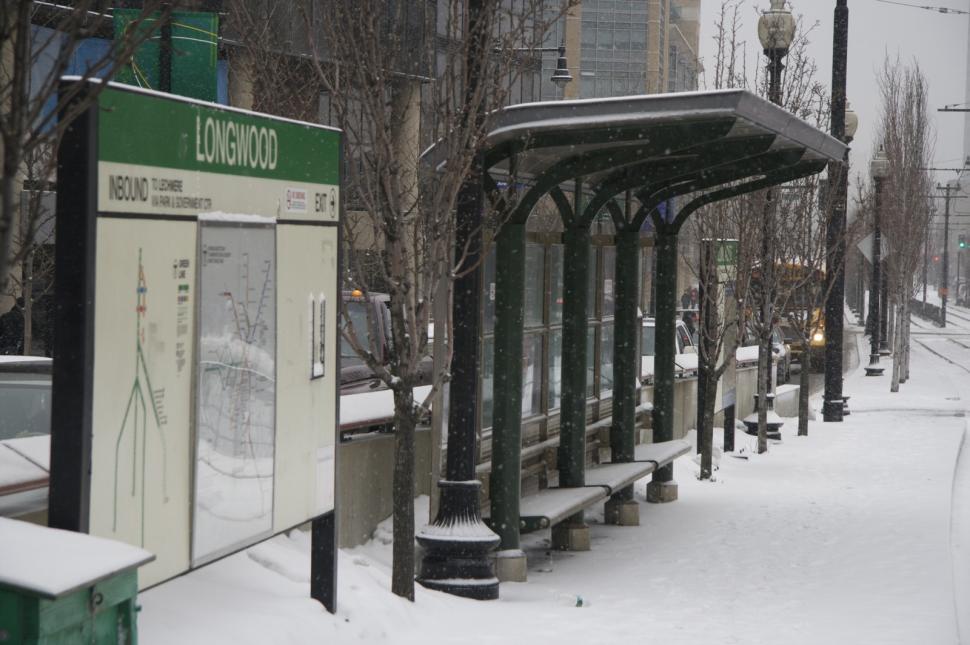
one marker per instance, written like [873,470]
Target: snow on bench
[615,477]
[551,506]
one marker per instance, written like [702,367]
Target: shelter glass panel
[488,380]
[532,375]
[606,358]
[556,283]
[609,276]
[488,293]
[555,369]
[534,257]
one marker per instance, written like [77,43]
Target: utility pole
[945,278]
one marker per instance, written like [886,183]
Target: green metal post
[666,340]
[505,482]
[572,424]
[626,361]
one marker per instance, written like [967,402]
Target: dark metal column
[945,278]
[832,408]
[572,430]
[505,480]
[457,545]
[626,358]
[663,367]
[884,314]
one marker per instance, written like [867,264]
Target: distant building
[624,47]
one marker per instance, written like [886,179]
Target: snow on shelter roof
[542,134]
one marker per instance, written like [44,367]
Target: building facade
[626,47]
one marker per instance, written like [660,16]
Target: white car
[686,351]
[25,398]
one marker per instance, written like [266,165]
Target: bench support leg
[571,535]
[622,512]
[510,566]
[661,492]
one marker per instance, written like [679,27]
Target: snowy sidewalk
[841,537]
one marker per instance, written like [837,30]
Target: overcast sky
[937,41]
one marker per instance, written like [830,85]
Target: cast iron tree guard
[458,545]
[833,407]
[879,169]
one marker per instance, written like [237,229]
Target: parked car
[372,325]
[25,425]
[686,351]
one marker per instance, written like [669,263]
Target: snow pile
[842,537]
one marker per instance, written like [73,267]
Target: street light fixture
[851,123]
[776,31]
[561,76]
[879,169]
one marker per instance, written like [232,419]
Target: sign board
[195,384]
[194,59]
[726,262]
[865,247]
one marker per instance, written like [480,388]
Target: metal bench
[550,506]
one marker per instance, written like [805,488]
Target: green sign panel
[195,47]
[190,136]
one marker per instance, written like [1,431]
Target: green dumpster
[65,587]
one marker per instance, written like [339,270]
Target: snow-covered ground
[856,534]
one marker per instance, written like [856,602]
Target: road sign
[865,246]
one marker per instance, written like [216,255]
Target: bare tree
[397,74]
[34,113]
[783,260]
[904,216]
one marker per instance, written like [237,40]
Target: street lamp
[457,545]
[776,31]
[834,406]
[879,169]
[561,76]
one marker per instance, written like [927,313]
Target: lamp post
[457,545]
[879,169]
[833,407]
[776,30]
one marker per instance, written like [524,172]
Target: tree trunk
[908,324]
[705,433]
[896,338]
[764,365]
[803,387]
[402,577]
[7,213]
[27,290]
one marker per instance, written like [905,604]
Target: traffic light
[963,241]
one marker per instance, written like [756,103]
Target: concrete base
[625,512]
[511,566]
[662,492]
[568,536]
[874,371]
[604,455]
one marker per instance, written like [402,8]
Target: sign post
[196,381]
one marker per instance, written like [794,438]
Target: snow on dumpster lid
[52,563]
